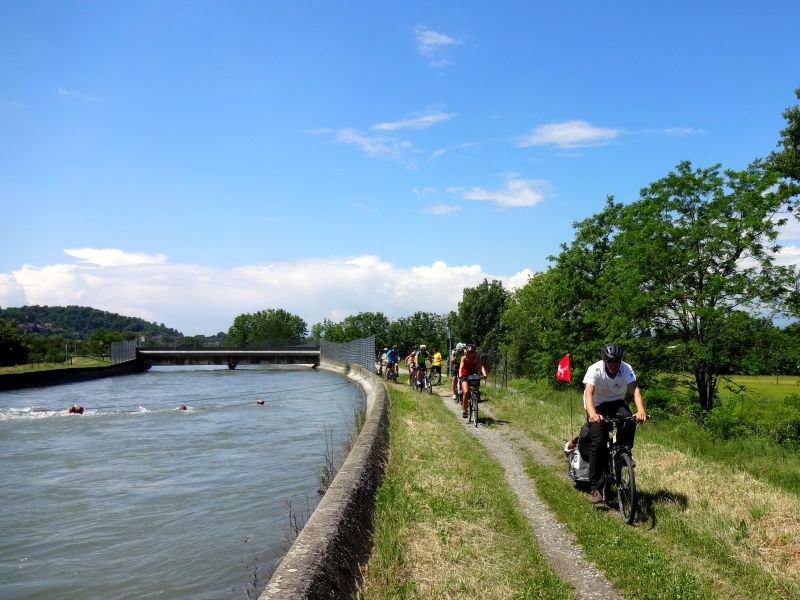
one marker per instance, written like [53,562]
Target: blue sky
[189,161]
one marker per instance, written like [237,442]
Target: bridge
[232,357]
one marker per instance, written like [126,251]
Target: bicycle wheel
[473,403]
[626,487]
[436,378]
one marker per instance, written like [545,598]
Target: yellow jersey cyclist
[436,366]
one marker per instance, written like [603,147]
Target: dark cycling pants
[598,432]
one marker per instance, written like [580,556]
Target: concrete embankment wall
[325,559]
[15,381]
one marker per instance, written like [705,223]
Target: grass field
[711,525]
[75,362]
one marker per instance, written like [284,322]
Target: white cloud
[435,46]
[465,146]
[518,192]
[198,299]
[788,256]
[421,122]
[442,209]
[681,131]
[111,257]
[569,134]
[789,231]
[68,93]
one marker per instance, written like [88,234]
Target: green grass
[711,525]
[447,524]
[717,519]
[75,363]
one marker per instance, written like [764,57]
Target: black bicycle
[436,376]
[474,383]
[620,481]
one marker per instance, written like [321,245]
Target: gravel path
[509,448]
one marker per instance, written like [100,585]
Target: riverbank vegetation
[446,524]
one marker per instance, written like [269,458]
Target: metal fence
[123,351]
[358,352]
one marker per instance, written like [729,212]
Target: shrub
[724,424]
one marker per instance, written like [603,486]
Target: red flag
[563,369]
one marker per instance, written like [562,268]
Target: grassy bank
[75,362]
[447,525]
[716,514]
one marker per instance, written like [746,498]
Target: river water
[138,499]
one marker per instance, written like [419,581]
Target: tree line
[35,334]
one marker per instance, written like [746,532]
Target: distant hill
[78,322]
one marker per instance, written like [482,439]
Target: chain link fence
[123,351]
[358,352]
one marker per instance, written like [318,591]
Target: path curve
[508,447]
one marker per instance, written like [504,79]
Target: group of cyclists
[607,383]
[463,362]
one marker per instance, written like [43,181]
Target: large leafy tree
[420,328]
[479,318]
[697,246]
[787,160]
[266,325]
[354,327]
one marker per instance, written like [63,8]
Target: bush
[792,401]
[723,423]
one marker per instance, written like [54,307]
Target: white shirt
[607,388]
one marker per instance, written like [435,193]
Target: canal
[136,498]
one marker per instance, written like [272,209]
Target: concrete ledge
[326,558]
[15,381]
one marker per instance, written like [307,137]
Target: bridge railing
[262,345]
[358,352]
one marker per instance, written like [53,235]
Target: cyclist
[437,363]
[455,363]
[471,364]
[383,363]
[392,357]
[411,366]
[607,382]
[420,356]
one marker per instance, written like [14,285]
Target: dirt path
[509,448]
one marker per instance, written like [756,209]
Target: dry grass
[757,522]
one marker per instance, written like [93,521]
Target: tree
[479,318]
[697,246]
[420,328]
[12,347]
[787,160]
[266,325]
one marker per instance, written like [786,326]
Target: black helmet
[611,352]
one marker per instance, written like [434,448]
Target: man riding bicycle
[392,358]
[607,382]
[471,364]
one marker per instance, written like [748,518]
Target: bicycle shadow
[488,421]
[648,501]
